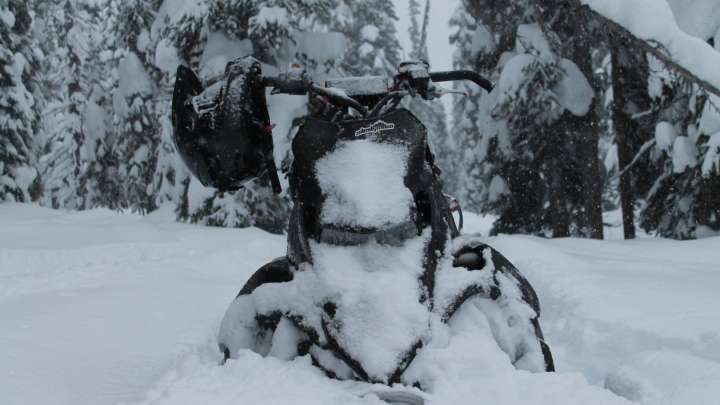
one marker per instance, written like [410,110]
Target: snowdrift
[104,308]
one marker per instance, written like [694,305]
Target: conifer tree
[66,164]
[531,149]
[98,181]
[466,181]
[170,178]
[483,31]
[369,27]
[571,36]
[76,86]
[18,113]
[431,113]
[630,74]
[137,140]
[682,202]
[107,54]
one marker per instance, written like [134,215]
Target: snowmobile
[375,263]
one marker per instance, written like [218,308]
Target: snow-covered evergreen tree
[632,124]
[530,156]
[18,111]
[525,160]
[170,177]
[465,162]
[431,113]
[683,203]
[137,137]
[369,27]
[98,179]
[71,175]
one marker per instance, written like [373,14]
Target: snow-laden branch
[644,148]
[650,25]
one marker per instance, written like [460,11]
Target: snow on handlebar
[294,85]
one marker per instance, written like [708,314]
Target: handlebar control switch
[416,77]
[415,69]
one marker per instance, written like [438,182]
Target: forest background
[584,119]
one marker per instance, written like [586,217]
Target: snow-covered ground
[98,307]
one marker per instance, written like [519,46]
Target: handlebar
[301,85]
[454,75]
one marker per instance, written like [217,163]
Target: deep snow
[103,308]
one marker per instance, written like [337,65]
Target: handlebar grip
[462,75]
[295,87]
[300,87]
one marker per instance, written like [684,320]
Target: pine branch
[644,148]
[615,29]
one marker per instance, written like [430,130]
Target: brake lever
[438,92]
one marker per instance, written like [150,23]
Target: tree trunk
[573,40]
[622,126]
[629,83]
[586,128]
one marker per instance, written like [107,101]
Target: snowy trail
[103,308]
[96,306]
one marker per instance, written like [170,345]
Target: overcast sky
[438,31]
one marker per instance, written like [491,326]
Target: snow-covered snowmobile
[375,265]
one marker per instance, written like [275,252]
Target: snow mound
[699,18]
[664,377]
[498,189]
[364,184]
[710,118]
[573,90]
[512,76]
[252,379]
[474,368]
[371,287]
[379,314]
[72,284]
[370,33]
[684,154]
[665,135]
[270,16]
